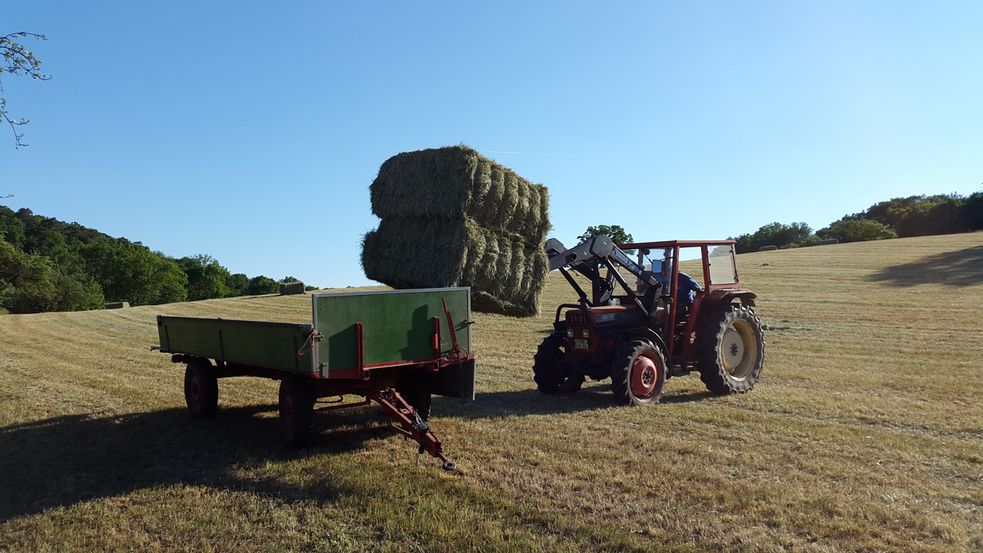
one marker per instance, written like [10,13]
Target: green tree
[12,227]
[615,232]
[206,277]
[923,215]
[31,283]
[237,284]
[857,230]
[130,272]
[16,59]
[775,234]
[262,285]
[974,211]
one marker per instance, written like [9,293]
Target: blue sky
[251,131]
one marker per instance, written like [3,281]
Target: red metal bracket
[360,353]
[455,348]
[435,339]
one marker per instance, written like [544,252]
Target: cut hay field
[864,434]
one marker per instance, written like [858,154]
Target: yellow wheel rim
[739,349]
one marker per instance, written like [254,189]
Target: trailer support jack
[410,423]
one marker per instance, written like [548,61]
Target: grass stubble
[864,434]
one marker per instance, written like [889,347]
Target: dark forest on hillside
[50,265]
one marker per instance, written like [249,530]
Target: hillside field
[865,433]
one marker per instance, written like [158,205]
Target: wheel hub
[738,349]
[644,377]
[733,349]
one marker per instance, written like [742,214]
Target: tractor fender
[651,336]
[721,297]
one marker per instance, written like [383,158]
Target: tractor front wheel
[731,350]
[296,411]
[201,388]
[553,375]
[638,374]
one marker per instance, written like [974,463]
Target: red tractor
[668,324]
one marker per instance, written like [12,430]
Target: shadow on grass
[490,405]
[531,402]
[66,460]
[70,459]
[958,268]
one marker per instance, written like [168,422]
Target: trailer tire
[201,388]
[730,349]
[296,411]
[550,371]
[638,373]
[415,389]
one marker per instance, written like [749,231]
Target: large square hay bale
[506,274]
[457,182]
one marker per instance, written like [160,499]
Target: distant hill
[51,265]
[894,218]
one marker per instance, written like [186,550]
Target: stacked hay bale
[451,217]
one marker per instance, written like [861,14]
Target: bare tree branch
[16,59]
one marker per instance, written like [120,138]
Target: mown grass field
[864,434]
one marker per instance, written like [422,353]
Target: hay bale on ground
[505,273]
[457,182]
[292,287]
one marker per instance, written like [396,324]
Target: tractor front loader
[666,325]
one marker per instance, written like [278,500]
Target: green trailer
[395,348]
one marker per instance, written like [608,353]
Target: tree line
[50,265]
[894,218]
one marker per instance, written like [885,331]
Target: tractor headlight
[569,333]
[585,333]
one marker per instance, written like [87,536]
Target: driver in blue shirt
[686,286]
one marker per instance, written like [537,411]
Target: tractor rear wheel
[201,388]
[296,411]
[638,373]
[730,349]
[553,375]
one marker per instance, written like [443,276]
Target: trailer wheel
[296,411]
[550,370]
[730,349]
[201,388]
[415,389]
[638,373]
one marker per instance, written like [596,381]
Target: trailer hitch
[411,424]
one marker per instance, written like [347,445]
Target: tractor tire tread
[621,371]
[546,372]
[709,336]
[297,418]
[201,373]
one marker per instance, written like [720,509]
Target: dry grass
[865,433]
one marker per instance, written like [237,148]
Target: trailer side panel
[398,325]
[283,346]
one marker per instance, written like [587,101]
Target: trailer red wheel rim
[644,377]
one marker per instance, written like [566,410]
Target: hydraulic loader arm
[595,248]
[587,258]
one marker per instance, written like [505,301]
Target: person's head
[664,265]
